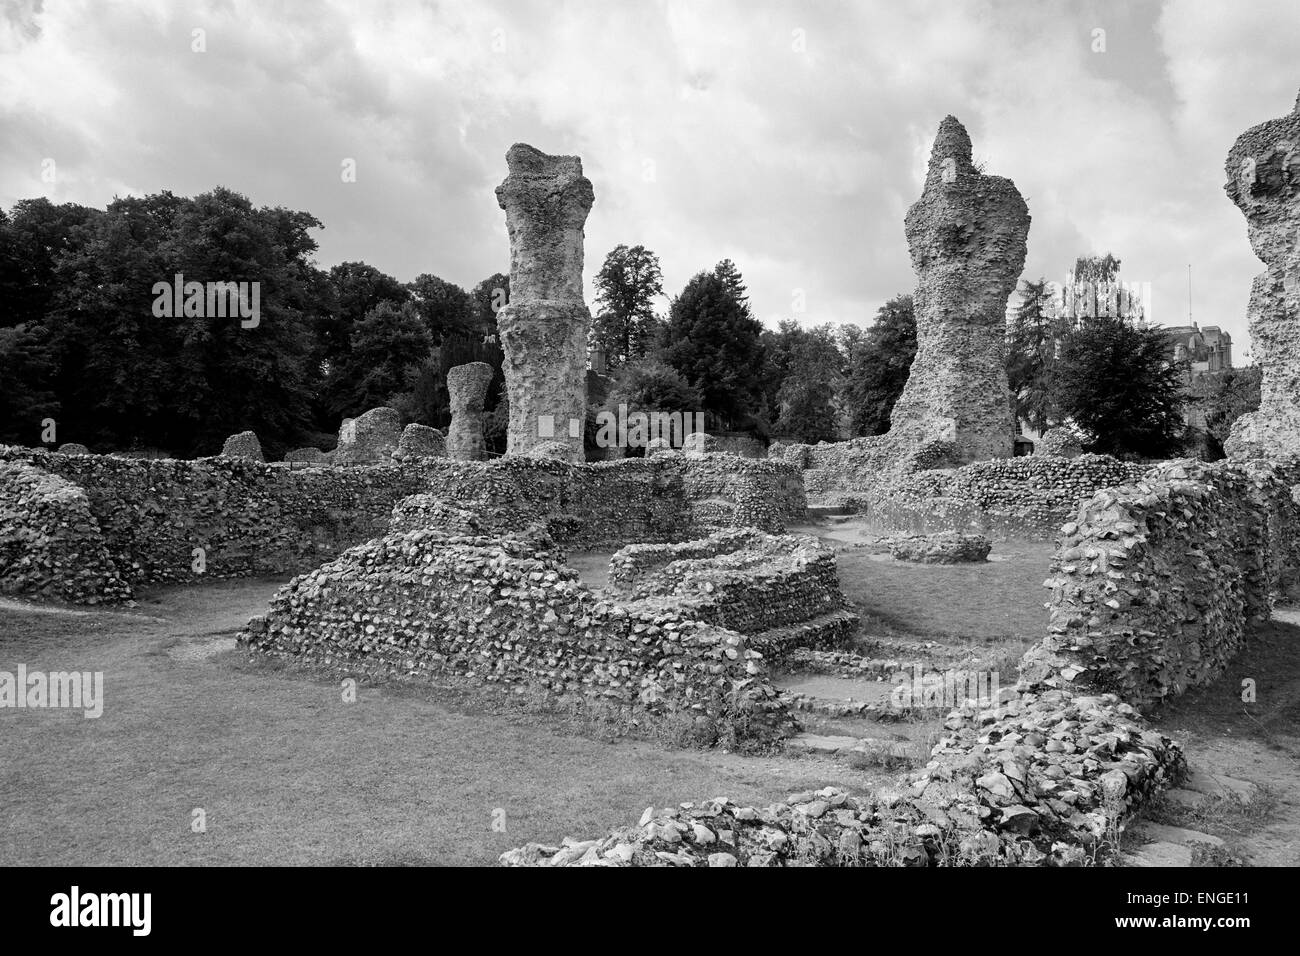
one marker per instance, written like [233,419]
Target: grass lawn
[288,773]
[996,607]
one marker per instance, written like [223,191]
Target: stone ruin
[467,386]
[1263,169]
[543,329]
[73,448]
[421,441]
[967,237]
[243,445]
[368,439]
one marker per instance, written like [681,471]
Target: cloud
[790,137]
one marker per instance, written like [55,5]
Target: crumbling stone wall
[255,518]
[370,438]
[1026,497]
[543,329]
[1155,583]
[1263,170]
[467,386]
[967,237]
[50,543]
[1041,779]
[420,441]
[500,611]
[946,547]
[781,591]
[243,445]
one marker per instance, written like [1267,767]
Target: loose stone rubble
[467,385]
[244,445]
[967,239]
[420,441]
[1263,170]
[369,439]
[543,328]
[73,448]
[946,547]
[1044,778]
[700,443]
[1062,442]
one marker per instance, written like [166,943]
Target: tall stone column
[966,235]
[543,329]
[1263,170]
[467,387]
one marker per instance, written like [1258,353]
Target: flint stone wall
[1263,181]
[948,547]
[1155,583]
[993,794]
[499,611]
[243,445]
[51,546]
[368,439]
[1026,497]
[256,518]
[781,591]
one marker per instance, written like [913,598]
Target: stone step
[1160,854]
[843,745]
[1160,833]
[1210,784]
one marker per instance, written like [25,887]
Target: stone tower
[1263,170]
[543,329]
[967,237]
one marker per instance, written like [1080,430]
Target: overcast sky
[788,136]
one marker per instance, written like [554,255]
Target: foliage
[878,364]
[1115,380]
[713,341]
[625,326]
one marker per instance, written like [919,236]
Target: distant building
[1206,349]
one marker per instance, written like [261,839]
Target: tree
[802,378]
[446,308]
[123,376]
[1114,380]
[714,343]
[389,346]
[1096,268]
[879,363]
[1032,339]
[625,326]
[1224,397]
[730,275]
[27,370]
[646,386]
[358,287]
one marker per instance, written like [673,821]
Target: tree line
[81,346]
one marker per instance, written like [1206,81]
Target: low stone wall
[1155,583]
[948,547]
[1043,779]
[781,591]
[1026,497]
[50,543]
[256,518]
[503,611]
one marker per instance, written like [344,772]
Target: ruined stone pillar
[543,329]
[967,237]
[1264,181]
[467,386]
